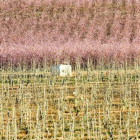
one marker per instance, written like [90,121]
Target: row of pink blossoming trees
[50,30]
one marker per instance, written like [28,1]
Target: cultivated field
[91,104]
[100,39]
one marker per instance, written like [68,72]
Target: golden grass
[102,105]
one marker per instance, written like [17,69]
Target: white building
[61,70]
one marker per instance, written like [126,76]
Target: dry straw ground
[92,104]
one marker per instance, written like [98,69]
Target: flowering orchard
[50,30]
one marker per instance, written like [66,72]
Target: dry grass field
[91,104]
